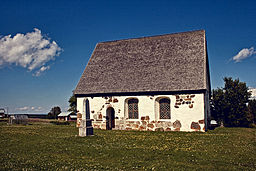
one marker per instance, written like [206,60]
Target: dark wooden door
[110,118]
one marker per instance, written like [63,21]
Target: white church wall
[187,112]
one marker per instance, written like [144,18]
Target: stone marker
[85,127]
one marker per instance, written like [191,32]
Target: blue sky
[71,30]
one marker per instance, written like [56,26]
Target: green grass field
[44,146]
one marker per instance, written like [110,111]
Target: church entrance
[110,118]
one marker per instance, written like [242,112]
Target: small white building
[150,83]
[67,116]
[253,93]
[2,113]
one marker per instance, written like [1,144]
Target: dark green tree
[230,104]
[72,104]
[217,111]
[236,97]
[252,110]
[55,111]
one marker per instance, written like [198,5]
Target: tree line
[231,105]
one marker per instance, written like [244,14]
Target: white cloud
[30,109]
[243,54]
[23,108]
[42,69]
[31,50]
[38,109]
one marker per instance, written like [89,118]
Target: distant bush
[60,122]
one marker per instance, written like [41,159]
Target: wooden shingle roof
[171,62]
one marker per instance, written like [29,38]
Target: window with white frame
[133,109]
[164,108]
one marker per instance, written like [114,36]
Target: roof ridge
[153,36]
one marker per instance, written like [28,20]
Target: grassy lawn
[44,146]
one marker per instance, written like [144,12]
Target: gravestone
[85,127]
[18,119]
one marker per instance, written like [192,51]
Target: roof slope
[172,62]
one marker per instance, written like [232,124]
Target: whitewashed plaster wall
[148,106]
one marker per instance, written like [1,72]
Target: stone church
[157,83]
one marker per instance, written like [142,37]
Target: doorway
[110,118]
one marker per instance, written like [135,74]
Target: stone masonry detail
[144,124]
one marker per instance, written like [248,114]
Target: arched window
[164,109]
[133,110]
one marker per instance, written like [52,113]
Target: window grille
[133,110]
[164,109]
